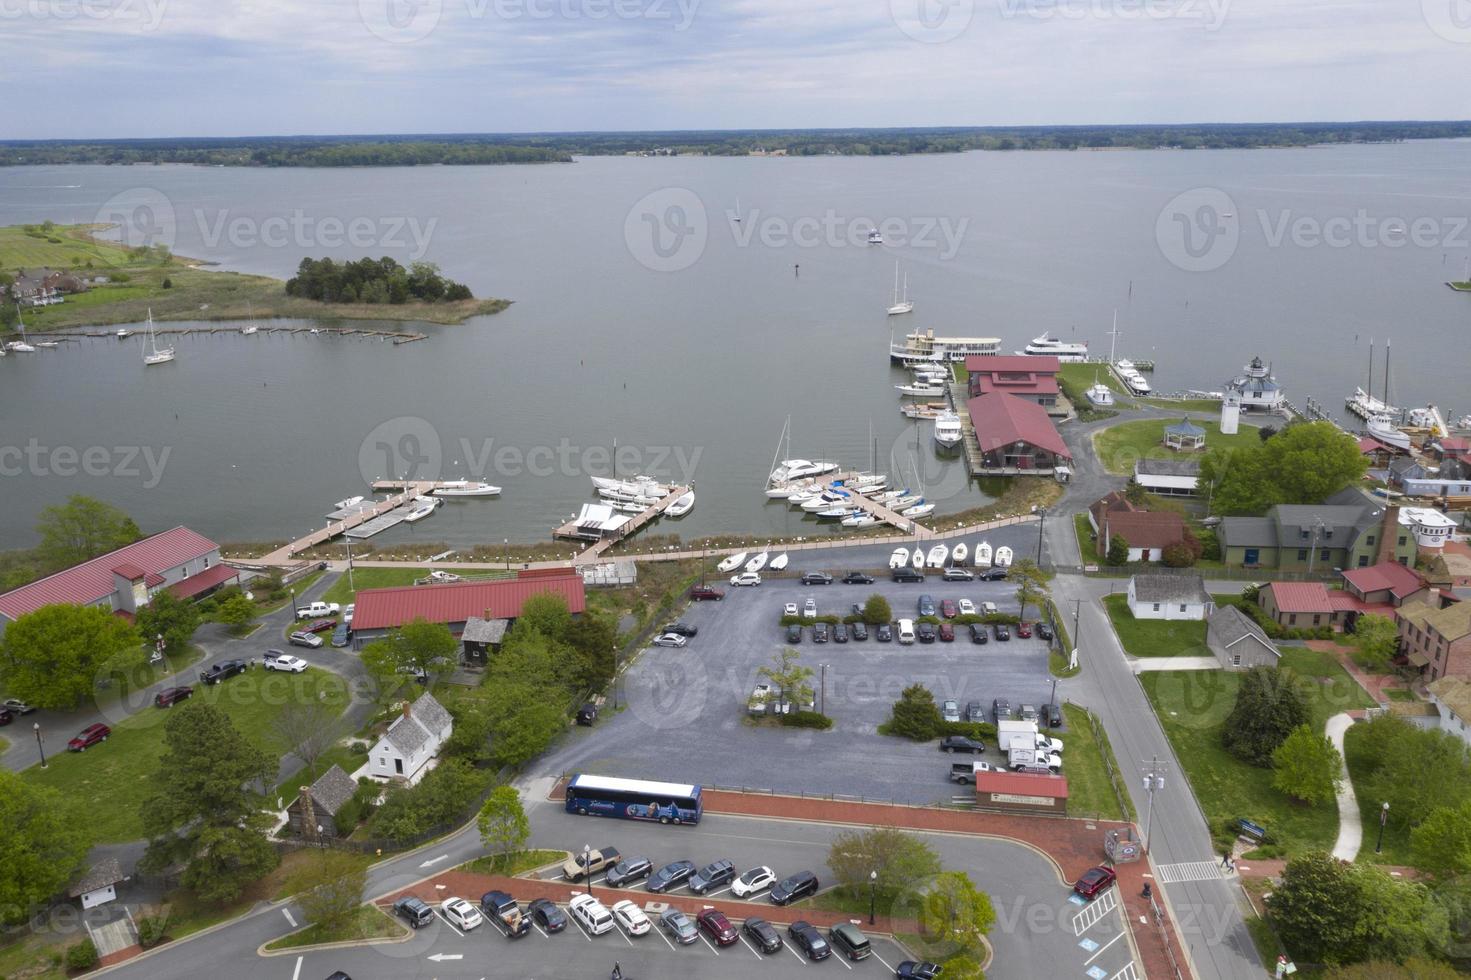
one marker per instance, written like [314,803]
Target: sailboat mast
[1113,337]
[1386,375]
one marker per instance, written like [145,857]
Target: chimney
[406,708]
[1388,534]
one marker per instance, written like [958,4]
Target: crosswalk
[1188,871]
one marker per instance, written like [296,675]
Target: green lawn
[520,863]
[1396,835]
[1089,792]
[20,250]
[1193,705]
[1155,637]
[1087,547]
[1119,447]
[368,922]
[110,782]
[1084,376]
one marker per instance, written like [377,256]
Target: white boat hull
[1003,557]
[732,563]
[918,559]
[960,553]
[983,555]
[779,563]
[464,488]
[923,510]
[682,506]
[757,563]
[349,502]
[937,556]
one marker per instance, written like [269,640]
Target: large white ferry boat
[927,347]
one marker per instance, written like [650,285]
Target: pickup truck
[965,772]
[318,609]
[1019,759]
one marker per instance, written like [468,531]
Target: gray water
[693,371]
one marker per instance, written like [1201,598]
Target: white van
[906,631]
[591,914]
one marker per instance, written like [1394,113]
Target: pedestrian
[1231,866]
[1225,859]
[1147,890]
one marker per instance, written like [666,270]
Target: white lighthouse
[1230,413]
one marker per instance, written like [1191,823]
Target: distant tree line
[409,151]
[373,281]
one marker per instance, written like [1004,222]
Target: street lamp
[615,677]
[587,867]
[1383,819]
[822,692]
[36,727]
[873,883]
[320,842]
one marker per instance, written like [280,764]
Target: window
[1302,554]
[1402,540]
[1316,619]
[1324,554]
[1364,559]
[1156,607]
[1253,556]
[1182,607]
[1369,540]
[1292,620]
[1235,660]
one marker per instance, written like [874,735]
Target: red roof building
[453,604]
[1148,533]
[1015,434]
[122,580]
[1387,582]
[1311,605]
[1025,376]
[1022,792]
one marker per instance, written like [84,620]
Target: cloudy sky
[117,68]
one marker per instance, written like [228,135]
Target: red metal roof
[1391,575]
[458,601]
[1040,364]
[1001,420]
[204,581]
[129,571]
[1368,444]
[1300,597]
[1022,784]
[92,580]
[1017,383]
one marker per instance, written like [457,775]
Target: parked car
[806,938]
[1027,712]
[1044,631]
[746,578]
[1024,630]
[753,881]
[683,629]
[580,865]
[906,631]
[849,940]
[321,626]
[949,609]
[712,876]
[906,574]
[816,578]
[341,636]
[171,696]
[502,909]
[967,608]
[950,710]
[347,612]
[717,927]
[704,593]
[545,913]
[6,716]
[587,714]
[794,633]
[629,870]
[670,640]
[860,632]
[1002,633]
[301,638]
[988,609]
[885,633]
[591,913]
[292,665]
[88,737]
[840,633]
[809,608]
[974,712]
[17,706]
[630,917]
[1094,881]
[926,632]
[415,912]
[992,574]
[460,913]
[819,632]
[763,934]
[954,574]
[316,610]
[790,609]
[679,926]
[926,605]
[857,578]
[670,877]
[961,743]
[1052,715]
[978,633]
[947,633]
[793,887]
[223,670]
[1000,709]
[916,970]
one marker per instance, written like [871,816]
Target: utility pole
[822,692]
[1041,524]
[1154,779]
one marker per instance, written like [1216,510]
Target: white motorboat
[155,354]
[874,238]
[1464,422]
[349,502]
[1382,427]
[733,562]
[1124,365]
[123,333]
[1100,394]
[826,500]
[802,496]
[960,553]
[791,470]
[642,486]
[682,505]
[860,520]
[628,508]
[917,559]
[983,555]
[1003,557]
[443,578]
[422,508]
[779,563]
[938,554]
[48,344]
[1061,349]
[919,510]
[782,491]
[20,347]
[920,391]
[840,513]
[899,558]
[947,430]
[908,500]
[629,498]
[1137,384]
[757,563]
[901,303]
[465,488]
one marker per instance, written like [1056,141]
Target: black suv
[907,574]
[794,633]
[627,870]
[1002,632]
[712,876]
[926,632]
[974,712]
[809,940]
[1052,715]
[416,913]
[978,633]
[819,632]
[857,578]
[671,876]
[816,578]
[1044,631]
[1001,708]
[860,632]
[840,633]
[799,885]
[223,670]
[683,629]
[885,633]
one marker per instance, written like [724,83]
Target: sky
[155,68]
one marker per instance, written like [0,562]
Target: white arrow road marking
[441,957]
[287,913]
[433,861]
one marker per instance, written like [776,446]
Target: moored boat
[1003,557]
[682,505]
[960,553]
[349,502]
[938,554]
[422,508]
[983,555]
[465,488]
[1061,349]
[947,430]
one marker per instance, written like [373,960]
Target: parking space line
[619,930]
[666,939]
[585,934]
[844,960]
[800,958]
[1102,948]
[721,892]
[711,945]
[447,922]
[883,961]
[539,929]
[297,974]
[747,943]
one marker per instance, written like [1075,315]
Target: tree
[955,910]
[235,611]
[504,828]
[1268,707]
[902,861]
[1135,493]
[1441,844]
[307,729]
[56,656]
[1303,464]
[330,888]
[876,611]
[1031,584]
[915,715]
[545,614]
[789,677]
[80,529]
[1178,555]
[44,844]
[1421,770]
[202,812]
[1414,968]
[172,618]
[1376,641]
[1308,767]
[1118,551]
[416,648]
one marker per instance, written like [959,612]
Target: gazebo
[1185,435]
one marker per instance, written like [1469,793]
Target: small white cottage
[404,752]
[1169,597]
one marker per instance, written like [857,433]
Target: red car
[948,609]
[1095,880]
[717,927]
[321,626]
[91,735]
[702,592]
[947,633]
[1024,630]
[171,696]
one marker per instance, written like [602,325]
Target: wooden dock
[407,492]
[571,531]
[397,336]
[975,460]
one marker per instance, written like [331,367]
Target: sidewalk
[1350,819]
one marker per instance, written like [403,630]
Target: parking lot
[682,714]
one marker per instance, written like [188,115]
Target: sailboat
[960,553]
[757,563]
[733,562]
[737,216]
[779,563]
[20,346]
[250,327]
[900,305]
[154,355]
[918,560]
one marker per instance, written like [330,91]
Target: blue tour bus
[634,799]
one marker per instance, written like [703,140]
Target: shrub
[152,930]
[1178,555]
[1118,551]
[82,956]
[168,283]
[444,795]
[914,715]
[806,719]
[876,610]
